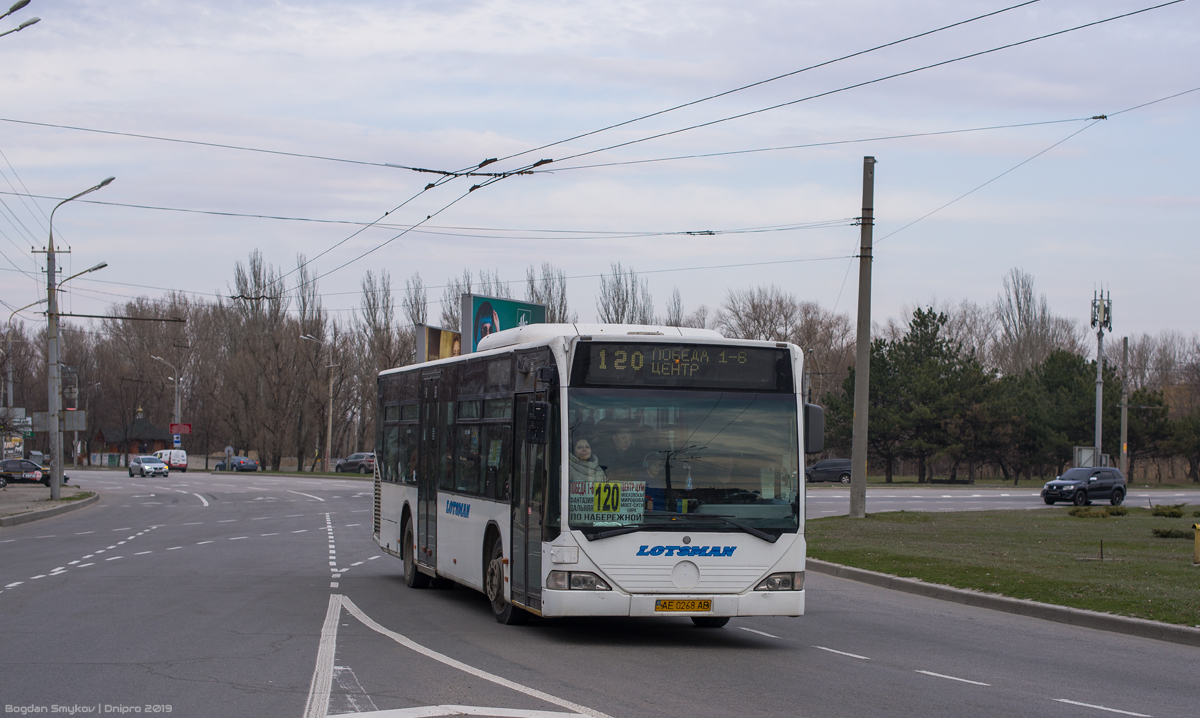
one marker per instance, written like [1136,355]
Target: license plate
[690,606]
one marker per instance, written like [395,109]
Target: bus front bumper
[556,604]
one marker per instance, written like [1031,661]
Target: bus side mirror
[547,375]
[537,422]
[814,429]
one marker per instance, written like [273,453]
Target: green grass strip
[1044,555]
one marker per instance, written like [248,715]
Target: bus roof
[535,333]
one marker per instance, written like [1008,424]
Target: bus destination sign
[682,366]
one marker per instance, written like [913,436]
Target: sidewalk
[21,503]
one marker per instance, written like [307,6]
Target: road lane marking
[300,531]
[843,653]
[1101,708]
[127,528]
[293,516]
[174,548]
[453,710]
[142,553]
[751,630]
[202,499]
[226,521]
[260,518]
[953,678]
[447,660]
[237,538]
[85,533]
[301,493]
[322,680]
[193,523]
[113,558]
[274,534]
[203,542]
[85,565]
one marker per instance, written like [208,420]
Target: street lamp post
[54,413]
[329,409]
[15,7]
[174,379]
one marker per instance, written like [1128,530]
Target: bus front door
[529,479]
[427,473]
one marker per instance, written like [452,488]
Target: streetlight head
[27,23]
[17,6]
[106,182]
[101,265]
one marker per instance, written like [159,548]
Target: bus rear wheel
[412,577]
[493,582]
[710,621]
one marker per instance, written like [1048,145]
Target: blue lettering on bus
[458,509]
[721,551]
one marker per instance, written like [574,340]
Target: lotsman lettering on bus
[458,508]
[721,551]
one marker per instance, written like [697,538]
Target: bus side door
[428,471]
[529,479]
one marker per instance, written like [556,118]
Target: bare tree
[676,316]
[766,313]
[623,299]
[1028,332]
[416,304]
[551,290]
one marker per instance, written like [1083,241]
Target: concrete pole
[329,415]
[862,361]
[54,382]
[1125,406]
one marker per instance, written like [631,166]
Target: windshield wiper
[622,530]
[769,538]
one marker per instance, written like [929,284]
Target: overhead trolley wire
[768,80]
[867,82]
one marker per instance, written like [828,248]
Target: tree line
[959,389]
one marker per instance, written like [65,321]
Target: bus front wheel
[504,611]
[412,577]
[710,621]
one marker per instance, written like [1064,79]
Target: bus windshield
[682,460]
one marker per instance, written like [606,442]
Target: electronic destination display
[681,366]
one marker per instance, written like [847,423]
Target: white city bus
[687,500]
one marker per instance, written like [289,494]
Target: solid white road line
[961,680]
[751,630]
[202,499]
[447,660]
[1101,708]
[449,710]
[318,692]
[301,493]
[843,653]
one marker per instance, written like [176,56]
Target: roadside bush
[1196,514]
[1116,510]
[1083,512]
[1172,533]
[1170,512]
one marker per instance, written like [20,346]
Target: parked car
[829,470]
[21,470]
[362,462]
[1083,484]
[174,458]
[237,463]
[147,466]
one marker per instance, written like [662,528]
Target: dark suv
[362,462]
[829,470]
[1084,484]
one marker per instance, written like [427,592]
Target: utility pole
[1125,406]
[1101,320]
[54,381]
[862,361]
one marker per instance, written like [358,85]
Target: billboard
[482,316]
[434,343]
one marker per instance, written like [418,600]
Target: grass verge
[1044,555]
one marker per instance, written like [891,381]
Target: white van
[175,459]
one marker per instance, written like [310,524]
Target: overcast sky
[445,85]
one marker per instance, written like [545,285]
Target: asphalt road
[247,595]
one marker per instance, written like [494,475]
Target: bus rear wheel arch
[413,578]
[710,621]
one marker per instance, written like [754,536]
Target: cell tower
[1101,322]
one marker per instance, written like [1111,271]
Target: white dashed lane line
[953,678]
[1101,708]
[843,653]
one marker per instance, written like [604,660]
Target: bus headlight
[576,581]
[782,582]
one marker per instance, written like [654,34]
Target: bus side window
[407,459]
[497,464]
[467,470]
[391,454]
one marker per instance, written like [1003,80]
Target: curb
[28,516]
[1140,627]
